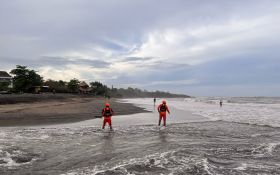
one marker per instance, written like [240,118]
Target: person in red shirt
[107,113]
[162,108]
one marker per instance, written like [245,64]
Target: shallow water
[190,144]
[189,148]
[252,110]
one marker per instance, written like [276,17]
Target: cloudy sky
[196,47]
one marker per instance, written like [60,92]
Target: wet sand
[56,109]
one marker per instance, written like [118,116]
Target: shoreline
[69,109]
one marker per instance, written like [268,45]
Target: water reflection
[108,143]
[163,136]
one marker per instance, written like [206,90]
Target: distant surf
[263,111]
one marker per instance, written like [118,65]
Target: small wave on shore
[12,157]
[174,162]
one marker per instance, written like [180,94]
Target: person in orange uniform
[107,113]
[162,108]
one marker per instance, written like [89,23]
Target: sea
[201,137]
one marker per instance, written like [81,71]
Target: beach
[45,109]
[200,138]
[83,87]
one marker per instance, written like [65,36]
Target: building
[39,89]
[84,88]
[5,77]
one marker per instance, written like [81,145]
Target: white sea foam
[256,166]
[242,167]
[7,158]
[265,149]
[3,135]
[42,137]
[175,161]
[206,166]
[271,147]
[260,111]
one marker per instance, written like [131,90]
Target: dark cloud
[133,59]
[245,69]
[168,65]
[55,62]
[158,72]
[107,33]
[63,25]
[62,61]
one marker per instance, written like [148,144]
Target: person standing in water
[162,109]
[221,103]
[155,100]
[107,114]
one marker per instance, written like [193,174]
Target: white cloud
[138,40]
[195,45]
[65,73]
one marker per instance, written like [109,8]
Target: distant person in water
[221,103]
[162,109]
[155,100]
[107,113]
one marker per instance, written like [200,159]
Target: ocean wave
[241,117]
[170,162]
[253,124]
[257,110]
[12,157]
[265,149]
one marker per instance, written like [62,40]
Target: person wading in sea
[107,113]
[162,108]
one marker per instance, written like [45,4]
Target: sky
[194,47]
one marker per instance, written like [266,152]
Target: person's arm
[103,112]
[158,108]
[167,109]
[112,112]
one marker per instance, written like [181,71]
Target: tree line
[25,79]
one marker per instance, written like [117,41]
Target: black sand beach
[45,109]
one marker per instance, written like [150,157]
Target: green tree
[73,85]
[4,86]
[59,86]
[99,88]
[25,78]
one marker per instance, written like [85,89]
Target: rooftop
[4,74]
